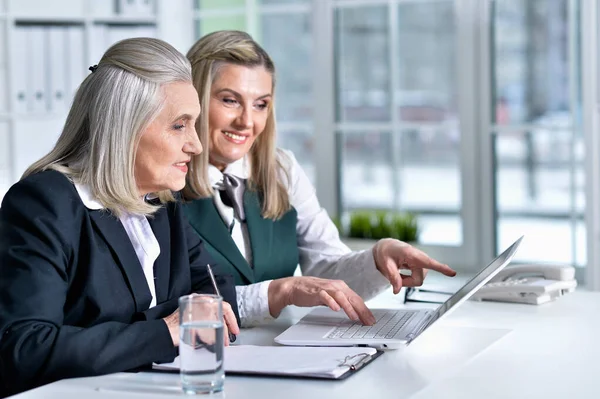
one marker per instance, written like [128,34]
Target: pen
[232,336]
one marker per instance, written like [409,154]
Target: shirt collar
[87,198]
[92,204]
[239,168]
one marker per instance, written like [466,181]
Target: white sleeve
[253,303]
[322,253]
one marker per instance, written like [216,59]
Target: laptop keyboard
[388,324]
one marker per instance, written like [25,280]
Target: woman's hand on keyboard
[313,291]
[394,255]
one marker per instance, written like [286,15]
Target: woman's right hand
[313,291]
[172,322]
[229,324]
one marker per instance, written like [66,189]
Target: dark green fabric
[273,243]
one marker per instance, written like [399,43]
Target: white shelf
[77,33]
[46,19]
[37,116]
[125,20]
[46,9]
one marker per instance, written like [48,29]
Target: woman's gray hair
[111,109]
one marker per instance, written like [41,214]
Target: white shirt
[322,253]
[139,232]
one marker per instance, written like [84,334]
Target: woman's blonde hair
[111,109]
[207,56]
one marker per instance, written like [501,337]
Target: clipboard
[329,363]
[426,295]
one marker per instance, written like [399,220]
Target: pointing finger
[422,260]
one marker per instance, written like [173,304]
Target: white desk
[482,350]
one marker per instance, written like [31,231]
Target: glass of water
[201,343]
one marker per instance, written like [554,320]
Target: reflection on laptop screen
[476,282]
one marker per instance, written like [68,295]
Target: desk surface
[482,350]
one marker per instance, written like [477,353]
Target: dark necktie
[231,189]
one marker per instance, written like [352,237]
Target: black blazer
[73,296]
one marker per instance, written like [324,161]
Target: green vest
[274,245]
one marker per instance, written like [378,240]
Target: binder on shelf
[146,8]
[127,8]
[98,42]
[103,8]
[117,33]
[50,9]
[76,67]
[3,90]
[332,363]
[5,159]
[19,61]
[4,149]
[37,52]
[2,42]
[56,76]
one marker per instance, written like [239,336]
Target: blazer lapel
[160,226]
[260,231]
[206,220]
[116,237]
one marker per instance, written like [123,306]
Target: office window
[363,65]
[397,122]
[367,169]
[285,1]
[214,15]
[219,4]
[212,24]
[539,150]
[287,38]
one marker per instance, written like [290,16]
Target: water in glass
[201,356]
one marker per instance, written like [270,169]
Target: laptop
[394,327]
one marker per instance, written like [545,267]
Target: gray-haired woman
[94,248]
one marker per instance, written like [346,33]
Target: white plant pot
[358,244]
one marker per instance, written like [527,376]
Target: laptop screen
[476,282]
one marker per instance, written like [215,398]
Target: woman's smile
[236,138]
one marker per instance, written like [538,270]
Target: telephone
[533,284]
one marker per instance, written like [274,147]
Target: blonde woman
[94,249]
[257,211]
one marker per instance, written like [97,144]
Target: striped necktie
[231,189]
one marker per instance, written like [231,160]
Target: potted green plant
[365,227]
